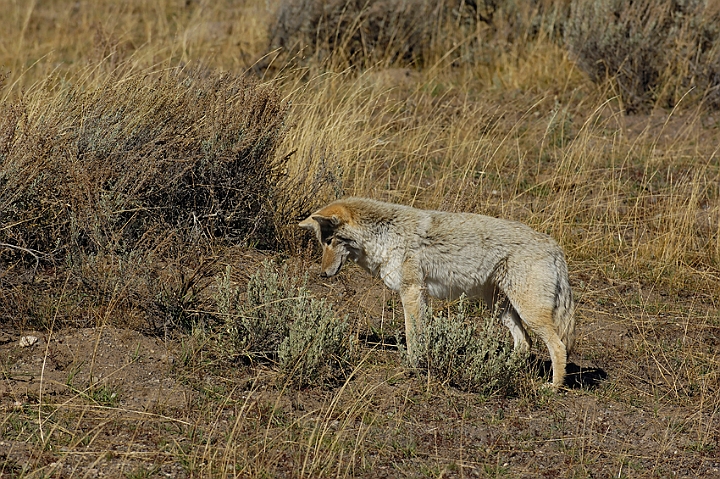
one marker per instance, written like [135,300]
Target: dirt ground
[108,402]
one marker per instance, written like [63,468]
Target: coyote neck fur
[383,251]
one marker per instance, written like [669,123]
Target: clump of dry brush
[113,180]
[366,32]
[651,51]
[98,169]
[655,51]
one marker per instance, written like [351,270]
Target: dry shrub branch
[654,50]
[136,168]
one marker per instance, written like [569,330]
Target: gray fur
[418,252]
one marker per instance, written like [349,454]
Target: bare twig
[35,253]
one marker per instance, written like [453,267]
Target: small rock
[27,341]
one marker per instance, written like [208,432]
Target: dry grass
[505,124]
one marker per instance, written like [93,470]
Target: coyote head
[332,229]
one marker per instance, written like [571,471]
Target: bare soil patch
[117,402]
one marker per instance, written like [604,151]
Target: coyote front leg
[412,294]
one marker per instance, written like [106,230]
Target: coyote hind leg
[539,319]
[540,322]
[511,319]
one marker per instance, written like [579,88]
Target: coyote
[418,252]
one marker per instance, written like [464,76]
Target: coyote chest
[383,260]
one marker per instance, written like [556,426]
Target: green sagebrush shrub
[470,355]
[278,320]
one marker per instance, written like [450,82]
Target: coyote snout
[418,252]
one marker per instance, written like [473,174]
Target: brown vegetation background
[147,146]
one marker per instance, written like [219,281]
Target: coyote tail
[564,311]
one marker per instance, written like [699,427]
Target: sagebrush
[278,321]
[655,51]
[471,353]
[107,180]
[118,165]
[360,32]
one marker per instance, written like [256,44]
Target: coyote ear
[320,224]
[327,222]
[309,224]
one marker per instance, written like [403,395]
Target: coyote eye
[328,240]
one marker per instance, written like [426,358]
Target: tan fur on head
[309,224]
[328,218]
[339,213]
[325,223]
[332,214]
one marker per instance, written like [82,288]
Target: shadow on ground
[379,341]
[577,377]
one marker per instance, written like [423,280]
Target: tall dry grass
[504,122]
[563,161]
[40,38]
